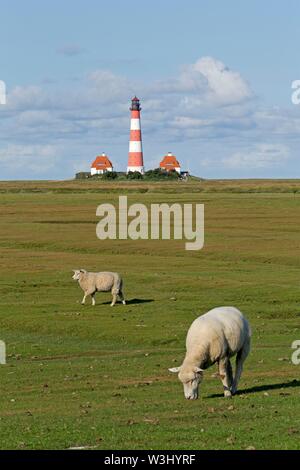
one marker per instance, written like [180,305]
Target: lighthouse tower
[135,156]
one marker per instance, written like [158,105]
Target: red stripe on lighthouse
[135,114]
[135,159]
[135,135]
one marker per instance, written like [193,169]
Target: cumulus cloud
[225,85]
[210,80]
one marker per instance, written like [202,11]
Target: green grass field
[98,377]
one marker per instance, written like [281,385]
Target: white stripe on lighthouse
[135,124]
[135,146]
[140,169]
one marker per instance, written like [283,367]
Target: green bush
[159,174]
[110,175]
[134,175]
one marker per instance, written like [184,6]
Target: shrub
[134,175]
[110,175]
[159,174]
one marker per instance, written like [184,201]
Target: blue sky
[214,78]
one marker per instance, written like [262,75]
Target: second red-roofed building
[101,165]
[170,163]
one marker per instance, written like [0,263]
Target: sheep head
[77,274]
[190,378]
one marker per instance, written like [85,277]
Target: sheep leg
[240,358]
[83,300]
[93,299]
[229,373]
[114,299]
[122,297]
[225,371]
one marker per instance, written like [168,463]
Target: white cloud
[210,81]
[21,159]
[190,122]
[104,86]
[279,121]
[258,157]
[225,85]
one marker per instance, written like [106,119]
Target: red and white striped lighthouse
[135,157]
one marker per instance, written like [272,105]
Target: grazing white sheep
[91,283]
[212,338]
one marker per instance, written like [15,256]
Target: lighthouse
[135,156]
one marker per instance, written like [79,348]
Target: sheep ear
[175,369]
[82,270]
[197,369]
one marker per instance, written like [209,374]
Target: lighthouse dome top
[135,104]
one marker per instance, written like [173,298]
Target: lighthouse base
[140,169]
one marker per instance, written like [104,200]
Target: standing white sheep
[91,283]
[212,338]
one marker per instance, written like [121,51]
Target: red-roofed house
[101,164]
[170,163]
